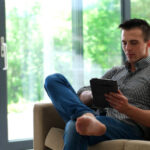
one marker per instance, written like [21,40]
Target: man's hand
[86,97]
[118,101]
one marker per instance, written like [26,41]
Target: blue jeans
[69,106]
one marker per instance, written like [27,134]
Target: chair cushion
[137,145]
[54,140]
[109,145]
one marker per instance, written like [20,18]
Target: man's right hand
[86,97]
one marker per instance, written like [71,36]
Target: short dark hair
[137,23]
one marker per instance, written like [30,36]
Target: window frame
[4,142]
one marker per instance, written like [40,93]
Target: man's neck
[133,67]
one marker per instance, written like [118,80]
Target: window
[39,39]
[102,49]
[142,7]
[78,38]
[39,43]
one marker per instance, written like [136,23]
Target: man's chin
[132,61]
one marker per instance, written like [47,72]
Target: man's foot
[88,125]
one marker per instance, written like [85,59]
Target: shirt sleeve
[85,88]
[109,74]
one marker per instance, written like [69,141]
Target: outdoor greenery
[101,34]
[25,44]
[143,9]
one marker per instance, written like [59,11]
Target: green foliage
[25,56]
[102,45]
[143,9]
[101,34]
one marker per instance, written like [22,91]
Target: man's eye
[124,43]
[134,42]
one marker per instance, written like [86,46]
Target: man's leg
[116,130]
[70,108]
[64,98]
[72,139]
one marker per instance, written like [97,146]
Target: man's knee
[70,127]
[51,80]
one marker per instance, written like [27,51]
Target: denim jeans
[69,106]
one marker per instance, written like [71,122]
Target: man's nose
[128,47]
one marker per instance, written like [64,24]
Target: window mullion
[77,42]
[125,15]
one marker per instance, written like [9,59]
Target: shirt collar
[139,64]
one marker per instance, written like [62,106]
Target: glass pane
[142,7]
[102,48]
[39,43]
[39,39]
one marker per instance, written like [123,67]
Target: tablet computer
[99,87]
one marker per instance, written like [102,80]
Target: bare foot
[88,125]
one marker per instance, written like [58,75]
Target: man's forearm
[139,115]
[120,102]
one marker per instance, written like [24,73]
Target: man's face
[133,44]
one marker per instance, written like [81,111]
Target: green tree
[142,7]
[101,34]
[25,57]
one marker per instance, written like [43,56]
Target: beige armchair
[48,133]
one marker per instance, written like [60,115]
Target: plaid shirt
[134,85]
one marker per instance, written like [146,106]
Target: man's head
[135,39]
[137,23]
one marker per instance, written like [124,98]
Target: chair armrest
[45,117]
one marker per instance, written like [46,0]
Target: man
[129,116]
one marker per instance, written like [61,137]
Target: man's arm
[120,103]
[85,95]
[139,115]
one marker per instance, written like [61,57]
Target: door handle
[4,52]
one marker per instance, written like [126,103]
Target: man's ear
[148,47]
[148,43]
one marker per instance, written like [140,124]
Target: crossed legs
[69,106]
[81,122]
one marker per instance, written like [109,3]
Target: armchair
[48,133]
